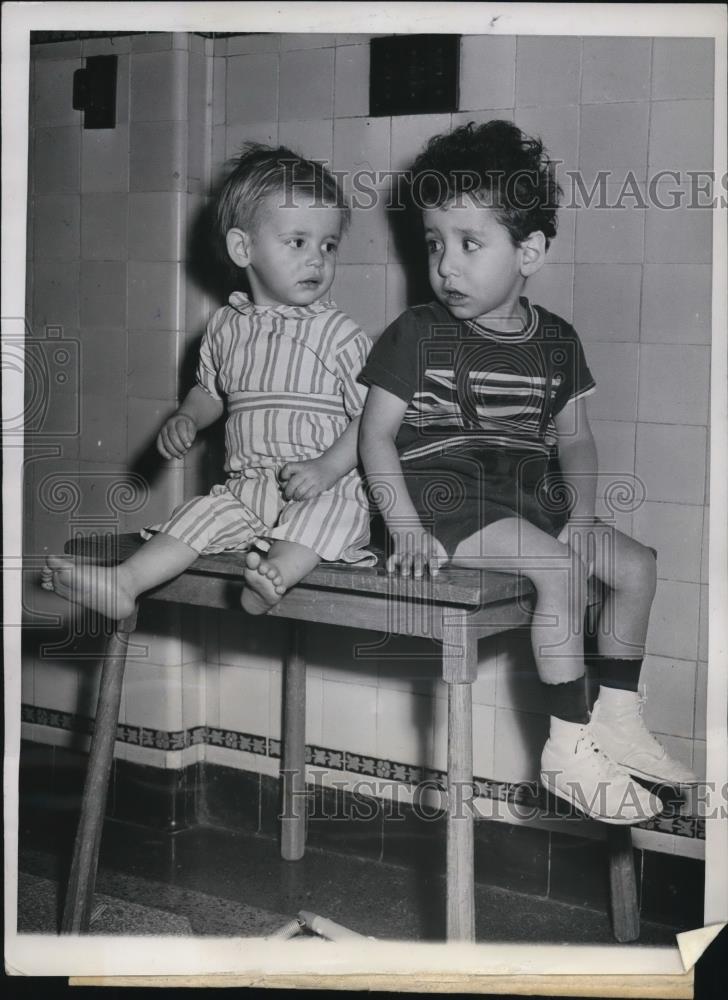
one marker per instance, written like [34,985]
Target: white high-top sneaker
[574,767]
[620,730]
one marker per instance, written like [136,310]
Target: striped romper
[289,377]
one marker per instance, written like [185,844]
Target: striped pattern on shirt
[289,375]
[468,387]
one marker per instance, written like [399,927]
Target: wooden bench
[456,609]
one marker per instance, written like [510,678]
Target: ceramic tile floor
[213,876]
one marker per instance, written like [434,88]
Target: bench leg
[293,823]
[82,879]
[459,671]
[623,885]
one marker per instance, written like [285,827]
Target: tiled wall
[635,282]
[110,211]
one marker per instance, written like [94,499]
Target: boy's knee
[562,566]
[637,569]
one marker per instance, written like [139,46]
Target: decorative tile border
[523,793]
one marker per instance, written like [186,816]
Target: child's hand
[306,480]
[176,436]
[415,552]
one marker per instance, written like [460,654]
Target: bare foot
[100,588]
[264,585]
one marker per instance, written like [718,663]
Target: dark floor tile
[673,890]
[579,870]
[413,837]
[270,806]
[511,857]
[230,798]
[340,821]
[35,772]
[149,796]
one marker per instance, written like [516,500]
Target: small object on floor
[97,911]
[620,730]
[320,926]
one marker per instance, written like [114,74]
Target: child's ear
[533,253]
[238,244]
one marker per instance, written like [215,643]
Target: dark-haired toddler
[473,400]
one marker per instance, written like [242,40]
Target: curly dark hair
[507,170]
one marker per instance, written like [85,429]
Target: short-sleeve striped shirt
[289,375]
[467,386]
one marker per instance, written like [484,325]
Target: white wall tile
[487,71]
[154,295]
[615,441]
[704,624]
[56,684]
[615,69]
[613,137]
[57,226]
[404,727]
[547,70]
[313,139]
[291,41]
[102,294]
[682,68]
[156,223]
[349,717]
[368,235]
[676,303]
[675,531]
[244,699]
[674,384]
[56,160]
[237,135]
[670,689]
[673,628]
[607,301]
[351,81]
[670,461]
[361,144]
[53,91]
[153,696]
[316,98]
[552,287]
[701,701]
[252,88]
[104,226]
[359,290]
[265,41]
[681,135]
[105,159]
[159,86]
[519,741]
[410,133]
[679,235]
[610,235]
[615,368]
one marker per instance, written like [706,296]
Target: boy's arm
[203,408]
[578,461]
[198,410]
[415,549]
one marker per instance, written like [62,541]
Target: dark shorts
[457,495]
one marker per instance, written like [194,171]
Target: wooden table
[456,609]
